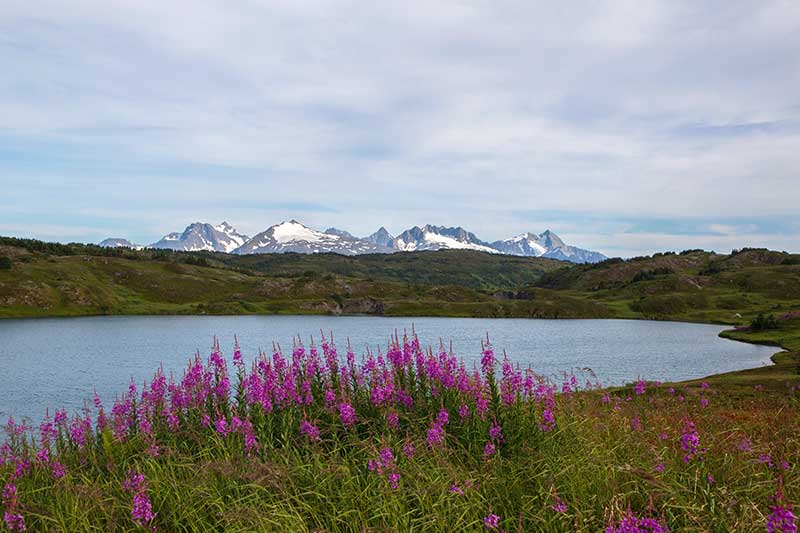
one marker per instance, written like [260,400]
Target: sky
[626,127]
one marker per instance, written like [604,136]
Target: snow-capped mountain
[546,244]
[119,243]
[293,236]
[381,238]
[431,237]
[200,236]
[340,233]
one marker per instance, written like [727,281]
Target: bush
[5,263]
[762,322]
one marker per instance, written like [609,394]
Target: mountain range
[292,236]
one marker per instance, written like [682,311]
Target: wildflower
[9,494]
[443,418]
[559,506]
[640,387]
[347,414]
[636,424]
[142,511]
[58,470]
[630,523]
[606,398]
[489,450]
[710,479]
[14,521]
[393,420]
[435,435]
[781,518]
[491,521]
[496,432]
[408,450]
[221,426]
[455,489]
[310,430]
[703,402]
[744,445]
[659,467]
[548,420]
[487,359]
[690,442]
[463,412]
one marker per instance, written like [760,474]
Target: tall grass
[405,440]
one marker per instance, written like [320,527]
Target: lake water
[60,362]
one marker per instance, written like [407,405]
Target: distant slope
[50,279]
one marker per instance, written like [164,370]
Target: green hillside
[46,279]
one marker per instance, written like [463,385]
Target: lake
[60,362]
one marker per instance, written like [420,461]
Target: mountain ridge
[292,236]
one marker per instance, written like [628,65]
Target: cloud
[400,113]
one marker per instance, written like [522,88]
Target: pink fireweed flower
[496,432]
[221,426]
[14,521]
[559,505]
[690,442]
[636,424]
[631,523]
[385,464]
[393,420]
[606,398]
[142,511]
[455,489]
[703,402]
[640,387]
[58,470]
[347,414]
[9,494]
[659,467]
[463,412]
[310,430]
[408,450]
[487,359]
[489,450]
[435,436]
[781,518]
[330,397]
[491,521]
[548,420]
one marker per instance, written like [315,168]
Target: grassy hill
[46,279]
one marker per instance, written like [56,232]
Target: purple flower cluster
[690,442]
[630,523]
[385,465]
[491,521]
[142,511]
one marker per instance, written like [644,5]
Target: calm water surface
[59,362]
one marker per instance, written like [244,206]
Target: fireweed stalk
[421,416]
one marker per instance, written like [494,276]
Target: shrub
[5,263]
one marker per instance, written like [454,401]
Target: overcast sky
[626,127]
